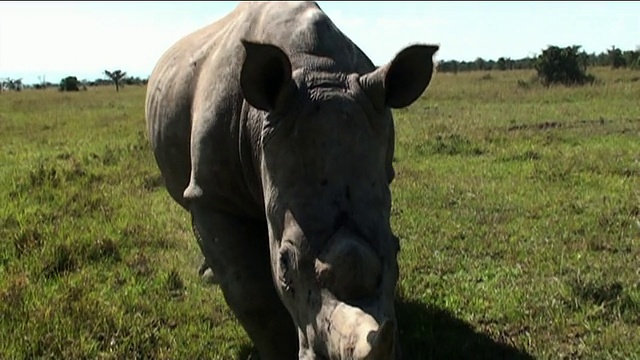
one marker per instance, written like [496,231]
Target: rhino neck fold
[309,62]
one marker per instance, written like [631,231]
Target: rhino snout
[348,267]
[354,334]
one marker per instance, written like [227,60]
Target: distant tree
[70,83]
[116,76]
[43,83]
[616,60]
[448,66]
[501,64]
[11,84]
[562,65]
[134,81]
[583,60]
[632,58]
[601,59]
[99,82]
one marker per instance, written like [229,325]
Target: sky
[58,39]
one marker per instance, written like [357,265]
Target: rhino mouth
[347,314]
[351,333]
[350,272]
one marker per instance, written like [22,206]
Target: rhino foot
[207,275]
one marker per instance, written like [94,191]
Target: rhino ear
[401,82]
[265,75]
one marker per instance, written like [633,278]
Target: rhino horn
[355,334]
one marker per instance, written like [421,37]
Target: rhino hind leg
[237,252]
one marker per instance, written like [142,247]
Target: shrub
[562,66]
[70,83]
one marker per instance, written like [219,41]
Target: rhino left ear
[265,75]
[401,82]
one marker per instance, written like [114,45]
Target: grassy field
[518,209]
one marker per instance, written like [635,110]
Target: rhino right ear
[265,78]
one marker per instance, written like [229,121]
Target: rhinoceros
[275,132]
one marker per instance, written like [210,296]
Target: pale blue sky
[84,38]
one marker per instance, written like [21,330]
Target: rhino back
[204,135]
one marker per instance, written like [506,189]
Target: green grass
[518,209]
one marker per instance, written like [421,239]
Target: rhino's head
[326,148]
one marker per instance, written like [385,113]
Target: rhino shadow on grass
[428,332]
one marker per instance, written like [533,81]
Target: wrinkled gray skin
[274,131]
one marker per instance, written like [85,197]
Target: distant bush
[563,66]
[70,83]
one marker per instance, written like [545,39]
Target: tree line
[555,64]
[613,57]
[118,78]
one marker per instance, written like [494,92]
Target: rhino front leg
[237,251]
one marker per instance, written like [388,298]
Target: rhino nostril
[347,193]
[341,220]
[324,182]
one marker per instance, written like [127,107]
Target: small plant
[61,260]
[174,284]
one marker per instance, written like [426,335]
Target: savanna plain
[517,208]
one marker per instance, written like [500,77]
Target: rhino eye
[285,269]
